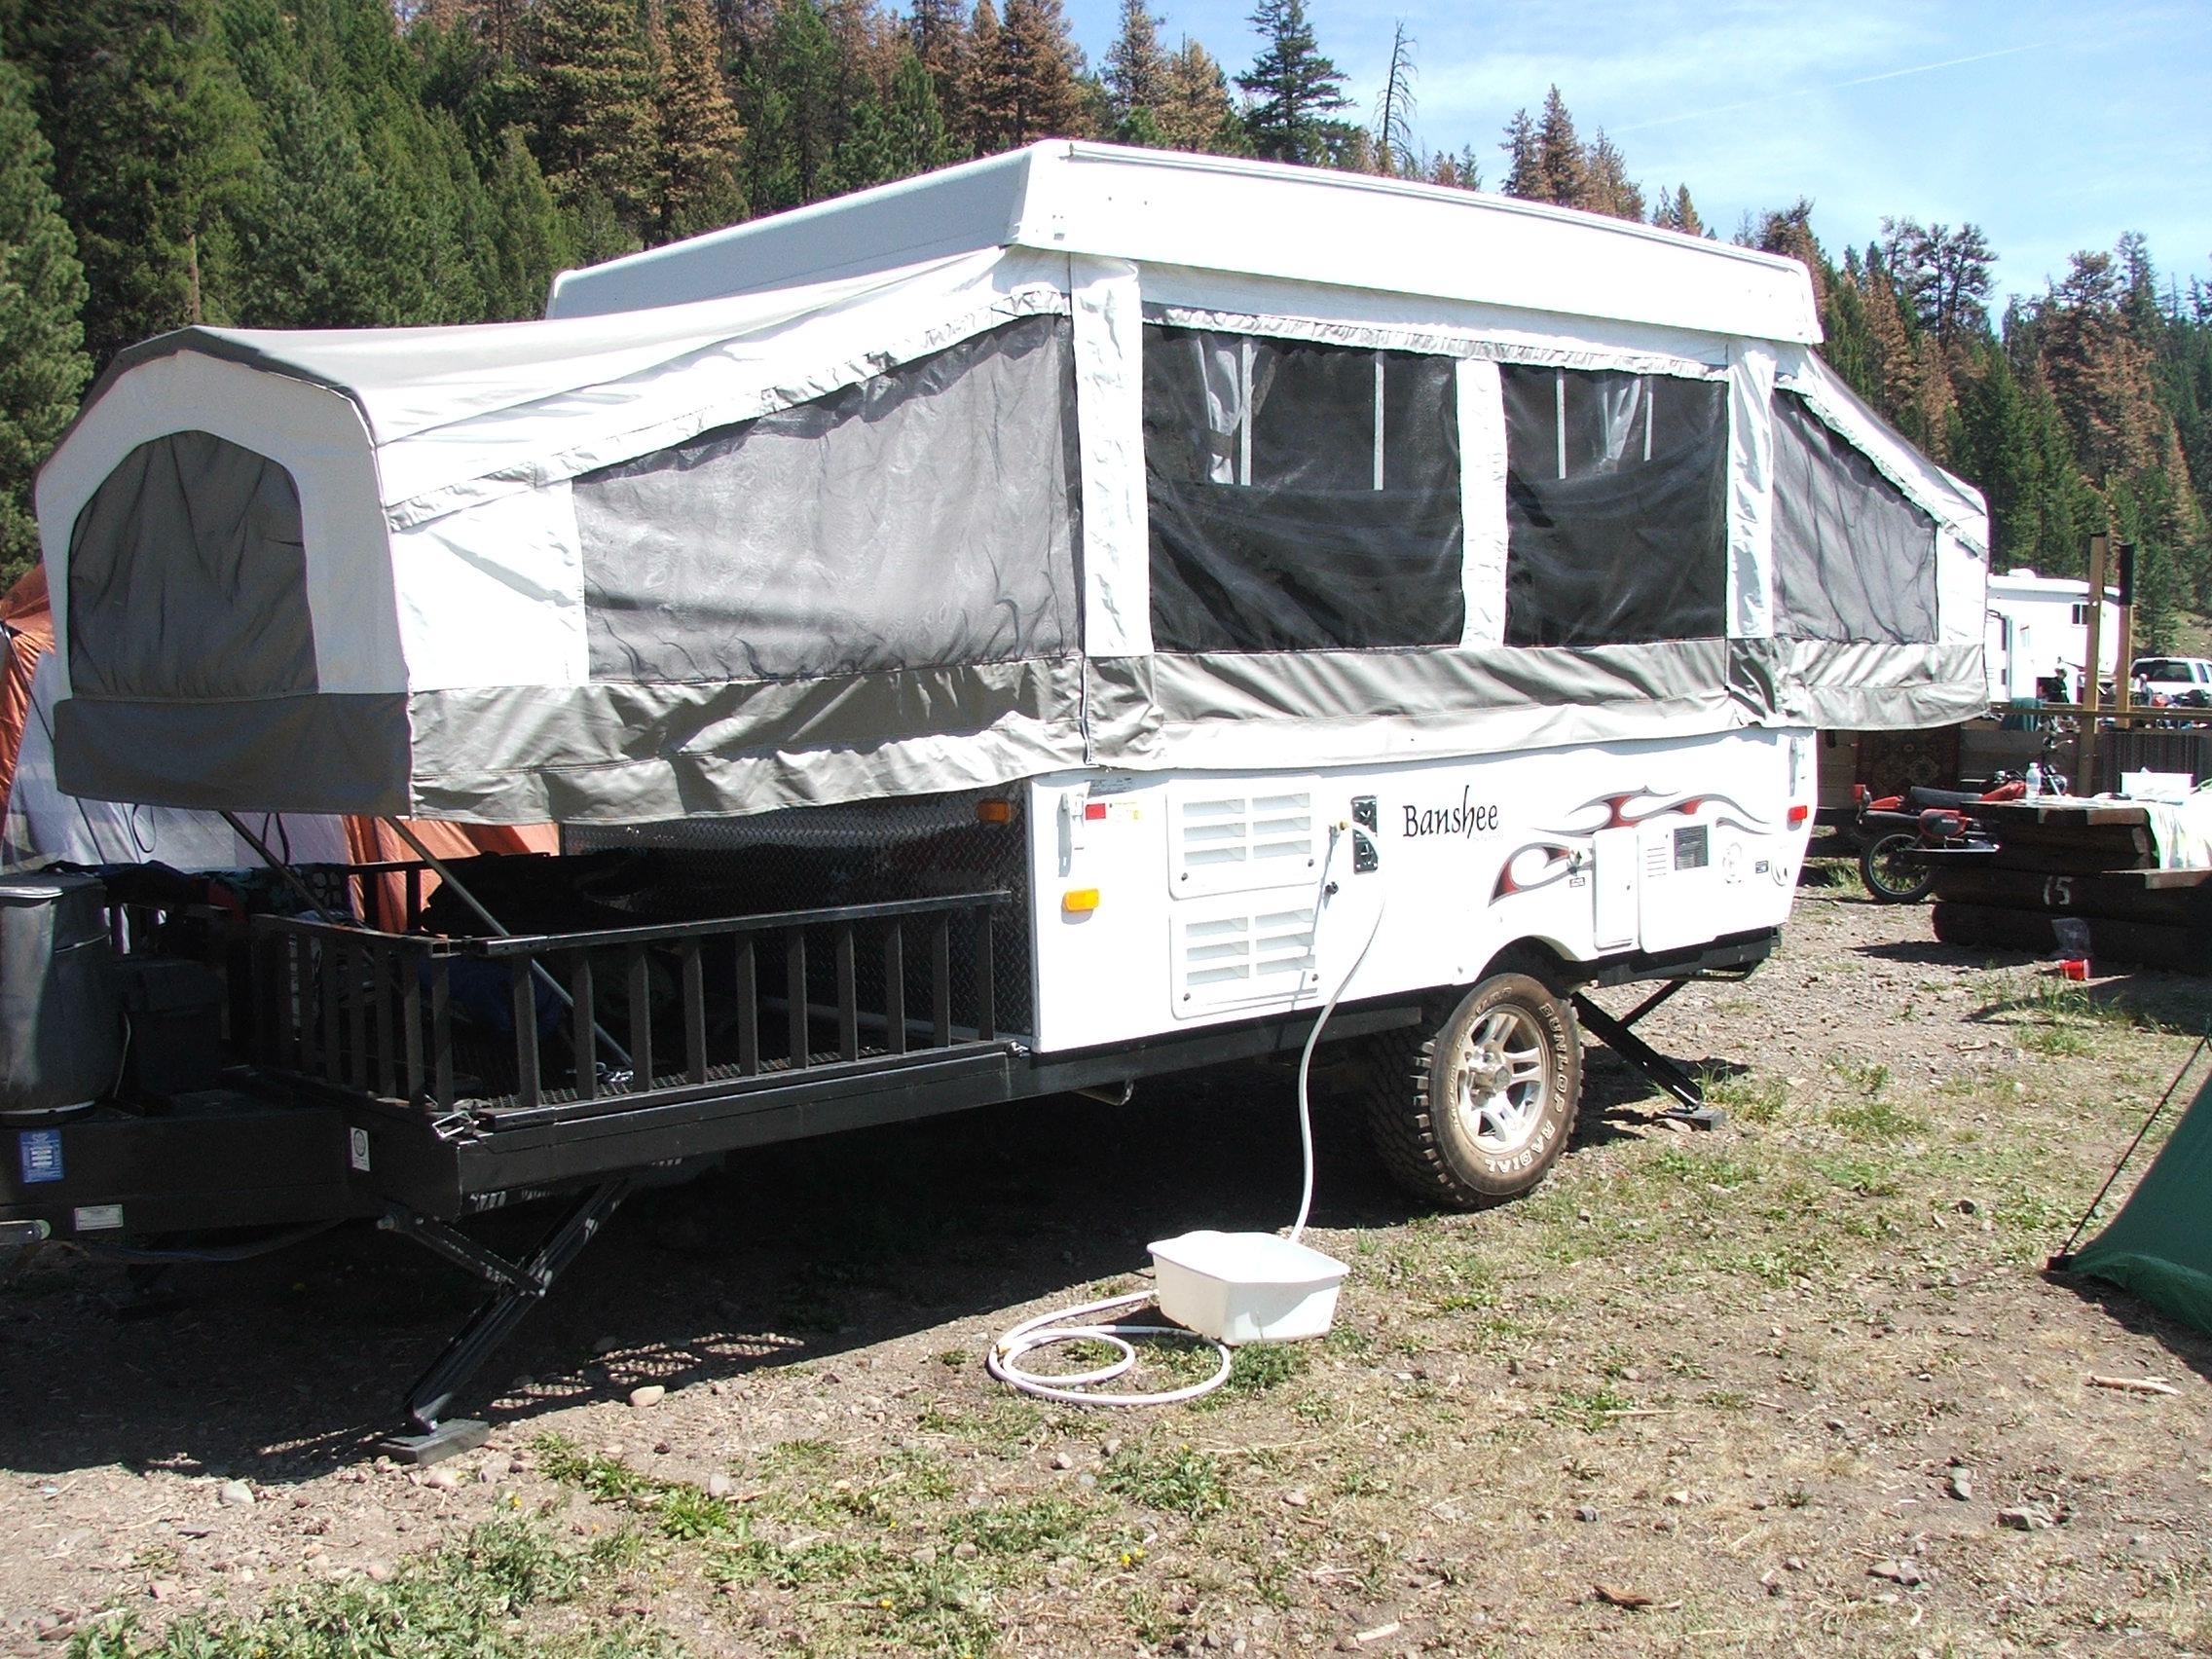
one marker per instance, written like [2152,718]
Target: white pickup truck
[2178,680]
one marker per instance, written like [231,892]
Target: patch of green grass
[1863,1176]
[2030,1213]
[954,1358]
[1182,1481]
[817,1561]
[2061,1041]
[465,1601]
[1594,1409]
[1257,1367]
[1724,1400]
[1865,1077]
[1876,1119]
[1748,1095]
[1828,875]
[1779,1262]
[803,1454]
[605,1480]
[1029,1527]
[938,1610]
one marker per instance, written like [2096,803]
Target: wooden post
[2086,749]
[2123,654]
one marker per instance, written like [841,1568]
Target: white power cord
[1044,1331]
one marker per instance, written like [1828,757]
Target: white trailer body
[2039,627]
[1209,906]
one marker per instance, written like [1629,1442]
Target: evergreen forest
[347,163]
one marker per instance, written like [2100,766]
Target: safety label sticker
[39,1155]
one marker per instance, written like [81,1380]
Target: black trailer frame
[421,1079]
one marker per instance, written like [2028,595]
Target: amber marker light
[1080,900]
[994,812]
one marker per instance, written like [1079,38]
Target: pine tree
[1136,68]
[1393,119]
[1676,211]
[700,132]
[1025,80]
[1293,89]
[1943,274]
[914,122]
[790,99]
[1195,112]
[1609,190]
[1523,168]
[938,31]
[43,366]
[593,88]
[982,42]
[153,145]
[526,239]
[1562,167]
[2096,370]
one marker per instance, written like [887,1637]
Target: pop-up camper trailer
[1057,620]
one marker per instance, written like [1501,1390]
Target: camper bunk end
[1054,622]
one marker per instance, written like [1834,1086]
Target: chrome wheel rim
[1504,1082]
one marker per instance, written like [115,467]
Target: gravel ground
[1796,1384]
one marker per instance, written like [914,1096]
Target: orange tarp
[370,841]
[30,635]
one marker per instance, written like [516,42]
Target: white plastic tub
[1246,1287]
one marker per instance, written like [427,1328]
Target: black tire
[1891,878]
[1441,1142]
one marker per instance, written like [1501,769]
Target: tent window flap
[1854,559]
[1303,496]
[188,577]
[923,518]
[1616,507]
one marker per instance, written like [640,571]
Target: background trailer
[1061,619]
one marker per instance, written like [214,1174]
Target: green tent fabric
[2159,1247]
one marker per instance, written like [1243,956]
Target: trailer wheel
[1477,1111]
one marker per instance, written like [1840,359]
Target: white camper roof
[1143,462]
[1166,207]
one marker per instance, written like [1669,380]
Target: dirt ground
[1799,1385]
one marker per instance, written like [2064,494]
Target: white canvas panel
[1481,501]
[1109,393]
[1962,591]
[1410,323]
[493,595]
[315,433]
[739,374]
[1750,491]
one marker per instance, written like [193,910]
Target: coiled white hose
[1004,1361]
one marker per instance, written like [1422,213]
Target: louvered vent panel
[1227,959]
[1233,840]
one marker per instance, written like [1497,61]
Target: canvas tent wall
[2159,1247]
[1075,456]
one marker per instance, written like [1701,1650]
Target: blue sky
[2053,127]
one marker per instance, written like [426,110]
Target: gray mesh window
[187,576]
[1616,507]
[1853,558]
[923,518]
[1303,496]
